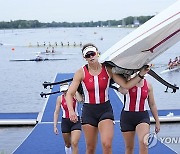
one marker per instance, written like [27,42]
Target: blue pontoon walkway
[42,139]
[17,119]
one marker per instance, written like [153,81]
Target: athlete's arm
[56,114]
[71,92]
[122,90]
[78,97]
[130,83]
[153,108]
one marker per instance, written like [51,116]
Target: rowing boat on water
[170,70]
[57,53]
[37,59]
[49,53]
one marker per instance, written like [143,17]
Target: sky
[79,10]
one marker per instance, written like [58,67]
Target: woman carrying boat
[70,131]
[97,113]
[134,116]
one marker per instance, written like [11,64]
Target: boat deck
[43,140]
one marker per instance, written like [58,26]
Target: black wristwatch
[142,77]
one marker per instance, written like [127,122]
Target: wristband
[142,77]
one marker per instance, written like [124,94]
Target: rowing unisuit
[65,108]
[95,87]
[136,98]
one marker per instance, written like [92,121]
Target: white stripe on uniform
[96,88]
[138,99]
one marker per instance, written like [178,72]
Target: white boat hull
[146,42]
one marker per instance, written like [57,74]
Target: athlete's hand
[157,127]
[73,117]
[144,70]
[56,131]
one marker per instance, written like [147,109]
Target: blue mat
[176,112]
[19,115]
[43,140]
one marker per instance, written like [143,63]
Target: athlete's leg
[129,141]
[67,139]
[106,129]
[75,136]
[90,133]
[142,129]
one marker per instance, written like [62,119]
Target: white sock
[68,150]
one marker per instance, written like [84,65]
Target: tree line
[18,24]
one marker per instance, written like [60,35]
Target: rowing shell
[143,45]
[57,53]
[170,70]
[48,53]
[147,42]
[46,59]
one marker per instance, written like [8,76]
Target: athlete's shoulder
[78,76]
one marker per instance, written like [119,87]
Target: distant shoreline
[127,22]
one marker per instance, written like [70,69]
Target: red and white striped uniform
[65,108]
[96,87]
[136,98]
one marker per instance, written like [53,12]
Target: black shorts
[94,113]
[67,126]
[129,120]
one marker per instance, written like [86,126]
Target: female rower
[97,113]
[134,115]
[70,131]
